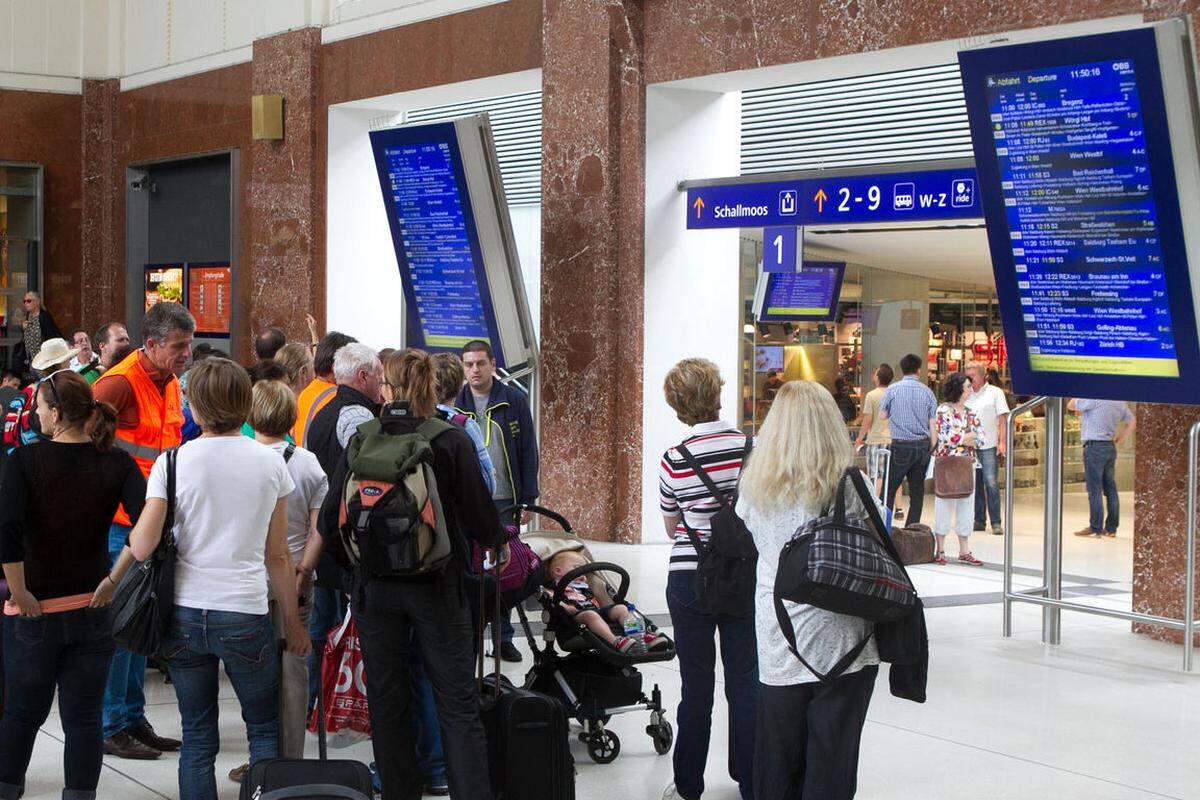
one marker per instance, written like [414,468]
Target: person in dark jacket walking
[388,612]
[39,327]
[503,414]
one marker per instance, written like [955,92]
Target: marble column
[593,147]
[1160,490]
[100,270]
[285,277]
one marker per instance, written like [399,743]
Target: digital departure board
[809,295]
[453,239]
[1080,191]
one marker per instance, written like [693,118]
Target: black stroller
[592,679]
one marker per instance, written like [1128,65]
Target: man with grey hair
[989,405]
[144,389]
[358,374]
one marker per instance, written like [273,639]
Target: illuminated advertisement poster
[164,284]
[210,290]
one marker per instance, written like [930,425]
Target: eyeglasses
[27,300]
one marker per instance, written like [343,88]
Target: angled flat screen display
[453,240]
[809,295]
[1080,164]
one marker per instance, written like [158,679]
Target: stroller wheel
[663,735]
[603,747]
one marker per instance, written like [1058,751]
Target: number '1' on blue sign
[780,253]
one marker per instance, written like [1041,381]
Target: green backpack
[391,520]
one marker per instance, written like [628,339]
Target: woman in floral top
[958,432]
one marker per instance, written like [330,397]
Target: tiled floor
[1105,716]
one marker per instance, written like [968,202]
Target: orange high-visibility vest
[160,418]
[312,399]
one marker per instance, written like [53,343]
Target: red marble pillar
[1160,487]
[101,272]
[593,153]
[285,277]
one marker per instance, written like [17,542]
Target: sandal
[939,558]
[967,558]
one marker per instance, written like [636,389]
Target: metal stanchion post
[1052,554]
[1189,561]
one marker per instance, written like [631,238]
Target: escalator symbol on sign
[787,202]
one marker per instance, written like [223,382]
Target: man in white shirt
[989,405]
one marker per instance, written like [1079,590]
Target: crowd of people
[250,510]
[247,468]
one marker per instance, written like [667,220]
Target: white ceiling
[955,254]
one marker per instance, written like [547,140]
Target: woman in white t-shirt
[230,532]
[809,730]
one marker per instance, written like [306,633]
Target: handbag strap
[704,477]
[168,529]
[835,672]
[880,528]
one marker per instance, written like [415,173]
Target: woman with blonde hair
[693,390]
[389,612]
[297,360]
[809,729]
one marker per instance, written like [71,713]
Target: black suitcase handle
[313,790]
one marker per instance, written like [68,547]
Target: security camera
[139,183]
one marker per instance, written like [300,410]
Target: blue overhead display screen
[811,294]
[435,238]
[928,195]
[1078,185]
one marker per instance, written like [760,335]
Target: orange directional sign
[699,206]
[820,197]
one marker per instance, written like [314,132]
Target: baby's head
[564,562]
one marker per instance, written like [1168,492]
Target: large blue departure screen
[1081,215]
[433,230]
[1078,186]
[811,294]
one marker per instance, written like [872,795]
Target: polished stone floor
[1106,715]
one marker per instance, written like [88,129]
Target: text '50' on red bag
[347,720]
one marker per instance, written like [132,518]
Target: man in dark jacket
[504,416]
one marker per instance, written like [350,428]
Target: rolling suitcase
[528,741]
[306,778]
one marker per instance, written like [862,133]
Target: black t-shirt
[57,502]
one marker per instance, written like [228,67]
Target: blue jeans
[124,698]
[69,650]
[427,731]
[695,630]
[987,486]
[328,609]
[1100,472]
[196,644]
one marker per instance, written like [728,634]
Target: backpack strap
[720,496]
[835,672]
[288,452]
[432,428]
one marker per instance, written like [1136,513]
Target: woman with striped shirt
[693,390]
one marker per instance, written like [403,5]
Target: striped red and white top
[719,448]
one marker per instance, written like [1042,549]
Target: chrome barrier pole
[1010,431]
[1189,561]
[1052,551]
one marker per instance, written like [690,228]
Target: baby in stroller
[595,608]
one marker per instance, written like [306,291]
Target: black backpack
[726,567]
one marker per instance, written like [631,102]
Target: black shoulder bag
[141,608]
[726,567]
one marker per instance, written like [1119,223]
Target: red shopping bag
[343,689]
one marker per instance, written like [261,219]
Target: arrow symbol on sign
[820,197]
[699,206]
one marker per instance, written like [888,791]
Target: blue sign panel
[779,249]
[931,195]
[437,244]
[809,295]
[1084,226]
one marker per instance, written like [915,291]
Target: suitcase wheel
[603,746]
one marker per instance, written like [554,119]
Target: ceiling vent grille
[907,115]
[517,127]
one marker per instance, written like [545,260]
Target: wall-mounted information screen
[808,295]
[453,239]
[1081,163]
[210,289]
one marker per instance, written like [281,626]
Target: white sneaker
[670,793]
